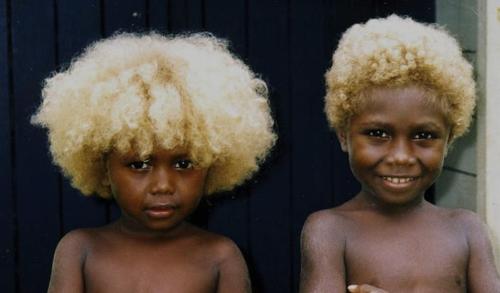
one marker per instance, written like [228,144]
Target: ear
[342,137]
[205,185]
[105,181]
[449,143]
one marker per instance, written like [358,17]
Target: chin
[401,201]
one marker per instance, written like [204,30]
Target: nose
[401,153]
[162,181]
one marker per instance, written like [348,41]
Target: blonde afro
[395,51]
[137,92]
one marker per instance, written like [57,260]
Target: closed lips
[161,207]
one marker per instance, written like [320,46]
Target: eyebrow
[375,123]
[428,124]
[380,123]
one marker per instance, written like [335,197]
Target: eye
[140,165]
[377,133]
[183,164]
[425,135]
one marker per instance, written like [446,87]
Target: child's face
[157,193]
[396,144]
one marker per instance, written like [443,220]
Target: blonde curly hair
[135,92]
[393,52]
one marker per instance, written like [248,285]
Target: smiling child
[155,123]
[399,93]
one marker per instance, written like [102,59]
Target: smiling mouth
[398,180]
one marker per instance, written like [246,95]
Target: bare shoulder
[468,221]
[476,231]
[220,247]
[226,256]
[461,222]
[80,241]
[76,241]
[466,217]
[323,243]
[326,224]
[324,232]
[68,263]
[458,214]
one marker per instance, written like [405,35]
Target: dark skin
[388,238]
[151,248]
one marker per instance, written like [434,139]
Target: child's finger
[364,289]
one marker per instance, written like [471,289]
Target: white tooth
[398,180]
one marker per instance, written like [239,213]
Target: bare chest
[422,260]
[151,271]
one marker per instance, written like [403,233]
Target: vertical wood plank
[424,10]
[124,16]
[230,26]
[158,15]
[312,151]
[7,207]
[79,24]
[338,19]
[270,198]
[36,179]
[185,16]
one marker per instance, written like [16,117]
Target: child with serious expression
[137,118]
[399,93]
[157,193]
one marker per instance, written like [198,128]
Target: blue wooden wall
[289,42]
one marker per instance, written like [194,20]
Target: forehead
[157,151]
[401,104]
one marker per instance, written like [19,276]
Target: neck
[370,202]
[133,229]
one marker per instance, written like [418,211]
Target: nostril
[401,158]
[162,183]
[401,153]
[159,189]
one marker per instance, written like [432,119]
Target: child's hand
[364,289]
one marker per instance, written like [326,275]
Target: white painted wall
[488,141]
[456,188]
[471,177]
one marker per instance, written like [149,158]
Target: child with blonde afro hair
[399,92]
[156,123]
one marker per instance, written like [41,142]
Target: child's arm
[322,249]
[67,274]
[482,275]
[233,272]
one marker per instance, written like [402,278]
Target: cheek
[126,187]
[434,158]
[363,155]
[197,184]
